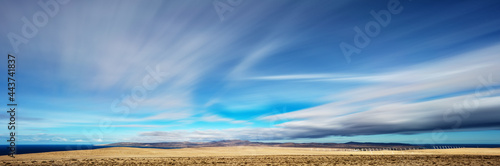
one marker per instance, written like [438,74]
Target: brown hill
[226,143]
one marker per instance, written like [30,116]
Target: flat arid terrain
[245,155]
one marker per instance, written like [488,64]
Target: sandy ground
[257,156]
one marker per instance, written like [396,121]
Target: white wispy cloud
[210,135]
[216,118]
[389,104]
[393,105]
[266,53]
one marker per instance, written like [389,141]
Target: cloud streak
[389,104]
[221,79]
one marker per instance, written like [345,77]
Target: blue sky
[98,72]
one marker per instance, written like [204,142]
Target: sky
[96,72]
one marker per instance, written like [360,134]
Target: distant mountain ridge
[223,143]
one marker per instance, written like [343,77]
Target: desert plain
[251,155]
